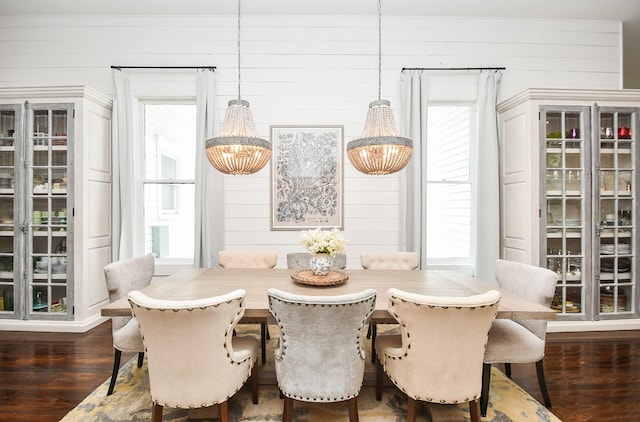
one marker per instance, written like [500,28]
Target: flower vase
[320,264]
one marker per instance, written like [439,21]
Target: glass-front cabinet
[569,189]
[55,207]
[35,157]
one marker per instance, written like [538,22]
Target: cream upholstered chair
[519,341]
[251,260]
[386,261]
[247,259]
[438,355]
[319,357]
[300,261]
[390,260]
[193,358]
[121,278]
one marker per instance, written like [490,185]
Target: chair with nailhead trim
[319,357]
[438,355]
[194,360]
[386,261]
[251,260]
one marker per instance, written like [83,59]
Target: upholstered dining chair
[438,355]
[386,261]
[251,260]
[319,357]
[300,261]
[519,341]
[121,278]
[192,356]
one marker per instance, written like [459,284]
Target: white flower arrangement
[328,242]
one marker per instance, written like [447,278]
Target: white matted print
[306,177]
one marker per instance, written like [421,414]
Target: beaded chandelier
[380,149]
[237,149]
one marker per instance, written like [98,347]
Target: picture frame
[306,177]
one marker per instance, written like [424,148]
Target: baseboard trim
[581,326]
[51,326]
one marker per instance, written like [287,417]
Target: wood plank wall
[318,70]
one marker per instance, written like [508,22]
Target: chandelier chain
[239,49]
[379,49]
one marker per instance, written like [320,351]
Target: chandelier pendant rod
[379,49]
[239,1]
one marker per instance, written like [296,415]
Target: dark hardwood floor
[591,376]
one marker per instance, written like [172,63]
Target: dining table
[197,283]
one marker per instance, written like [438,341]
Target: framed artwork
[306,177]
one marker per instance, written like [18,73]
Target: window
[169,181]
[449,142]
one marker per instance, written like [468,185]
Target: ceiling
[616,10]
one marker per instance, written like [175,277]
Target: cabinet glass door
[564,246]
[615,210]
[49,285]
[10,129]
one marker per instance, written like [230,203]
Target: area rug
[131,401]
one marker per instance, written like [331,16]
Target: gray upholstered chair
[319,357]
[386,261]
[251,260]
[390,260]
[121,278]
[438,355]
[193,359]
[519,341]
[300,261]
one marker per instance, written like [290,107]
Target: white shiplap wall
[309,70]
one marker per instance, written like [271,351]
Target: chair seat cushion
[244,346]
[128,337]
[393,342]
[510,342]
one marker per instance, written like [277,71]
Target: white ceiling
[617,10]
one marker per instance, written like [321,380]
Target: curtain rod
[211,68]
[453,68]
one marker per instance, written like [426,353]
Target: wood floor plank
[590,376]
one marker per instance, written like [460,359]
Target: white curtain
[414,106]
[415,92]
[209,210]
[487,187]
[123,159]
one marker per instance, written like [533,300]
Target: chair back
[443,344]
[300,261]
[189,349]
[127,275]
[534,283]
[320,355]
[247,259]
[390,260]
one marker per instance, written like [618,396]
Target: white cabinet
[55,202]
[569,189]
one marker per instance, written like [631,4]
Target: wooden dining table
[199,283]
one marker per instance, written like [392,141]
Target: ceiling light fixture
[237,149]
[380,149]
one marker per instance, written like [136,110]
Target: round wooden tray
[309,278]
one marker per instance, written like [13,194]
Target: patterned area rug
[131,401]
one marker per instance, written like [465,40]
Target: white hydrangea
[330,242]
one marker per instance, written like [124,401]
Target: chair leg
[474,410]
[287,413]
[543,383]
[411,409]
[114,372]
[379,379]
[224,411]
[156,413]
[374,333]
[353,409]
[507,369]
[140,359]
[263,341]
[254,384]
[484,394]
